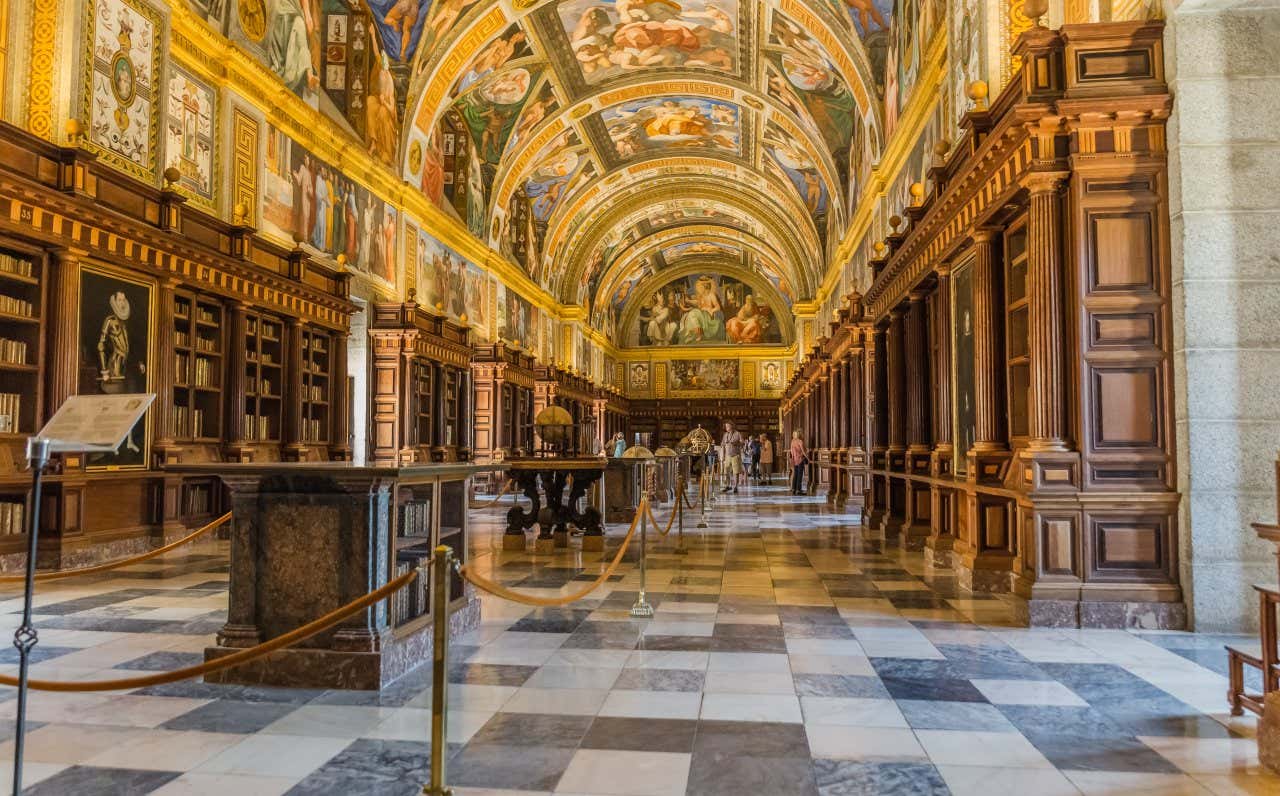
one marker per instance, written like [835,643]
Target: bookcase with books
[421,364]
[264,378]
[199,363]
[21,340]
[316,386]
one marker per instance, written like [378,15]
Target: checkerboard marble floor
[788,655]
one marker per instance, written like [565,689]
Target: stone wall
[1223,66]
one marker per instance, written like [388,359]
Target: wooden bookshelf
[199,353]
[1017,344]
[317,383]
[423,387]
[421,365]
[264,378]
[22,301]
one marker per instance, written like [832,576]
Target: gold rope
[674,513]
[71,573]
[498,590]
[505,489]
[234,659]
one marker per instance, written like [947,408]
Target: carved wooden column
[916,349]
[389,410]
[878,426]
[439,424]
[292,396]
[237,446]
[942,528]
[164,448]
[339,402]
[985,552]
[1048,419]
[64,348]
[856,456]
[895,505]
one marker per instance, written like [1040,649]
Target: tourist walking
[799,458]
[751,459]
[766,459]
[732,442]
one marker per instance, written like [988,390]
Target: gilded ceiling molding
[779,218]
[592,232]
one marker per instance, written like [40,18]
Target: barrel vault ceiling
[603,144]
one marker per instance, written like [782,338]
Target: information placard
[94,423]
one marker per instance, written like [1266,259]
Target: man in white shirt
[732,442]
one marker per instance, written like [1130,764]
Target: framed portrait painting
[114,341]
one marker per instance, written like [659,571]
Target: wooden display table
[309,538]
[544,482]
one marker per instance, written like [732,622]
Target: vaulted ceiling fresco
[587,140]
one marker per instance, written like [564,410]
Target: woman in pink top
[799,460]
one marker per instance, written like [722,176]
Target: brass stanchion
[443,568]
[702,499]
[642,608]
[680,548]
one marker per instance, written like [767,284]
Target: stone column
[1048,418]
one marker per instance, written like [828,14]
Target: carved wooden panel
[1058,545]
[1131,546]
[1122,253]
[1126,403]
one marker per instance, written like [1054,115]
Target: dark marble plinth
[307,540]
[1108,615]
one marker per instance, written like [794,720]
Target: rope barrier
[672,520]
[72,573]
[685,494]
[498,590]
[502,493]
[234,659]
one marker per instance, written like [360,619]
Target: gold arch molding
[791,239]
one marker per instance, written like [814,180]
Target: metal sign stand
[83,424]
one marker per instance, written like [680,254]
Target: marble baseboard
[987,581]
[1102,615]
[85,556]
[915,537]
[334,669]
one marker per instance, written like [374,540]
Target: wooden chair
[1265,658]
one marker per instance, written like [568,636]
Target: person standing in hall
[766,459]
[751,460]
[799,458]
[732,442]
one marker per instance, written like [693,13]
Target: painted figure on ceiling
[289,51]
[381,123]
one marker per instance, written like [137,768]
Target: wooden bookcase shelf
[22,310]
[199,369]
[264,378]
[317,382]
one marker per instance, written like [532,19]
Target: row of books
[414,600]
[313,431]
[10,411]
[197,499]
[203,371]
[15,265]
[317,393]
[16,306]
[257,427]
[319,345]
[189,420]
[267,357]
[317,368]
[12,518]
[206,316]
[260,386]
[13,352]
[269,330]
[415,518]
